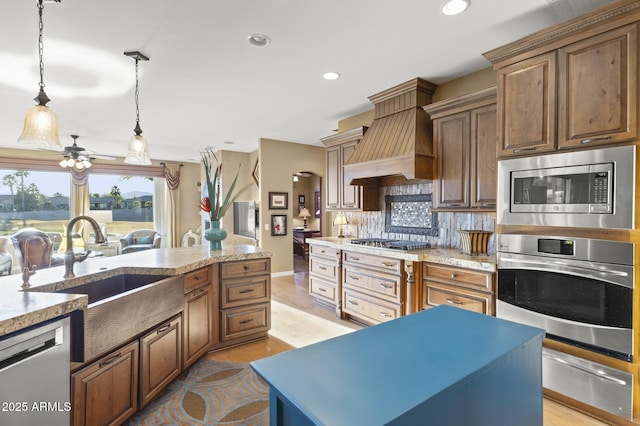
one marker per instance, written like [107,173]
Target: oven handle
[615,277]
[597,373]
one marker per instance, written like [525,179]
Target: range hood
[398,145]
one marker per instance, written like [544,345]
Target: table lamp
[304,213]
[340,220]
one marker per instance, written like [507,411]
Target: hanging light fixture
[138,152]
[41,123]
[73,158]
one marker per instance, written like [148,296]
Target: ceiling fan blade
[102,157]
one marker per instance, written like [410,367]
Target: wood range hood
[398,146]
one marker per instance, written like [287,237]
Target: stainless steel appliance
[592,188]
[580,291]
[34,376]
[391,244]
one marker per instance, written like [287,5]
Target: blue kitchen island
[442,366]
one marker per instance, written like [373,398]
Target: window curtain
[171,212]
[80,198]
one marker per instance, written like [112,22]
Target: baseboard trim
[281,274]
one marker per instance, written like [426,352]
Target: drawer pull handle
[388,264]
[163,328]
[355,258]
[245,267]
[585,141]
[515,151]
[454,302]
[353,277]
[322,289]
[322,251]
[110,360]
[322,267]
[384,314]
[353,302]
[246,321]
[383,285]
[197,277]
[249,290]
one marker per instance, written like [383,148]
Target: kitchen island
[442,366]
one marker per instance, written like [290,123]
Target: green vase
[215,234]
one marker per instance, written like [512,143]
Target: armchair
[141,239]
[6,261]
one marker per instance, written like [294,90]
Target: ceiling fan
[75,152]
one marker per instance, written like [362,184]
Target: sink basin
[112,286]
[120,309]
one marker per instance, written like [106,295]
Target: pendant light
[138,152]
[41,124]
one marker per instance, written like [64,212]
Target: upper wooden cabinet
[466,164]
[339,194]
[570,86]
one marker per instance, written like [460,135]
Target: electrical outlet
[266,226]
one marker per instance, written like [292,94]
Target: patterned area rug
[210,393]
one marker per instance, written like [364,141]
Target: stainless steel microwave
[592,188]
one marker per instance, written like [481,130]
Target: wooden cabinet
[200,323]
[465,129]
[373,287]
[339,194]
[570,86]
[325,279]
[245,295]
[597,89]
[462,288]
[160,358]
[105,392]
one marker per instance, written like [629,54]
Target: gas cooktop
[391,244]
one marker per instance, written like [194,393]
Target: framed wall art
[278,225]
[300,199]
[278,200]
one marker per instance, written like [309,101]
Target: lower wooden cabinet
[463,288]
[160,358]
[106,391]
[245,321]
[199,320]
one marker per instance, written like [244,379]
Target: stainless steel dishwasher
[34,376]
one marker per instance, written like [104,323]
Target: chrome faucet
[69,257]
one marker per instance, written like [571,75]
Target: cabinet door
[350,193]
[484,163]
[527,106]
[161,358]
[334,178]
[597,89]
[198,323]
[452,134]
[106,392]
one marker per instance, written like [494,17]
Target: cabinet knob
[453,275]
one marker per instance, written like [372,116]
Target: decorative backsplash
[372,224]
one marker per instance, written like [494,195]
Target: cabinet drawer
[244,321]
[448,295]
[197,278]
[245,291]
[323,251]
[377,262]
[377,284]
[367,308]
[324,268]
[464,277]
[244,268]
[322,289]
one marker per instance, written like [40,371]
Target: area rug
[210,393]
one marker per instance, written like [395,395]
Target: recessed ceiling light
[453,7]
[331,75]
[259,40]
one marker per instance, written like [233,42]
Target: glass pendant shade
[41,128]
[138,151]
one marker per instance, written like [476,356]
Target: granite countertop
[441,255]
[20,309]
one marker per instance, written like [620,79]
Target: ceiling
[205,85]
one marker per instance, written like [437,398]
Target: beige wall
[279,160]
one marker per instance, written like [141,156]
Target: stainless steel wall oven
[580,291]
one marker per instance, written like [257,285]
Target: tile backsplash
[372,224]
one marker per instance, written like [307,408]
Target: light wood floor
[293,291]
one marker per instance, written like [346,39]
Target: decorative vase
[215,235]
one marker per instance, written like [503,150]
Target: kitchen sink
[120,309]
